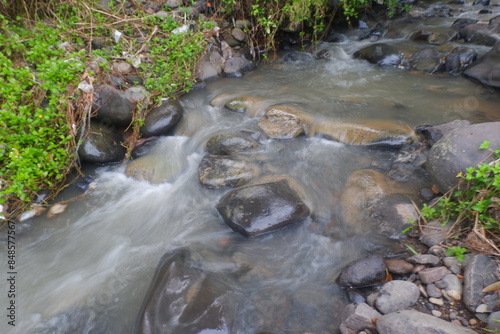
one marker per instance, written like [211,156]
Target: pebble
[473,322]
[436,301]
[431,275]
[482,308]
[433,291]
[399,266]
[424,259]
[436,313]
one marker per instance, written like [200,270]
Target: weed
[457,251]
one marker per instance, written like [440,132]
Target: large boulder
[413,322]
[486,69]
[155,168]
[428,60]
[458,150]
[258,208]
[182,299]
[111,105]
[224,171]
[459,58]
[160,120]
[481,34]
[102,144]
[381,54]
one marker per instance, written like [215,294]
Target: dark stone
[227,144]
[160,120]
[255,209]
[495,20]
[439,38]
[98,43]
[134,79]
[363,272]
[144,147]
[110,105]
[431,134]
[486,69]
[484,11]
[380,54]
[459,58]
[421,35]
[462,23]
[481,34]
[223,171]
[458,150]
[413,322]
[428,60]
[481,3]
[182,299]
[236,66]
[480,271]
[102,145]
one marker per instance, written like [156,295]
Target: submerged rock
[154,168]
[223,171]
[258,208]
[102,145]
[284,122]
[160,120]
[226,144]
[182,299]
[381,54]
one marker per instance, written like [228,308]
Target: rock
[222,171]
[420,35]
[459,58]
[391,214]
[436,301]
[481,34]
[413,322]
[486,69]
[432,134]
[399,267]
[380,54]
[396,295]
[481,3]
[357,317]
[462,23]
[431,275]
[225,144]
[263,207]
[452,286]
[137,94]
[363,272]
[433,291]
[236,66]
[284,122]
[434,232]
[160,120]
[208,71]
[155,168]
[239,34]
[428,60]
[173,4]
[458,150]
[242,24]
[122,67]
[112,106]
[494,321]
[102,145]
[56,209]
[424,259]
[439,38]
[480,271]
[182,298]
[240,104]
[376,133]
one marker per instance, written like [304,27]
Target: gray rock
[283,122]
[236,66]
[208,71]
[160,120]
[137,94]
[102,145]
[494,321]
[443,37]
[363,272]
[112,106]
[397,295]
[452,286]
[428,60]
[242,24]
[480,271]
[380,54]
[458,150]
[486,69]
[258,208]
[155,168]
[122,67]
[399,266]
[431,275]
[459,59]
[222,171]
[413,322]
[357,317]
[434,233]
[239,34]
[433,291]
[173,4]
[424,259]
[432,134]
[481,34]
[225,144]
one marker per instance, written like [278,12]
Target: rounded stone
[397,295]
[160,120]
[102,145]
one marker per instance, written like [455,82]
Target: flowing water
[87,270]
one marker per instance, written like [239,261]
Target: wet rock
[222,171]
[397,295]
[462,23]
[225,144]
[432,134]
[434,232]
[112,106]
[486,69]
[155,168]
[144,147]
[236,66]
[102,145]
[284,122]
[431,275]
[439,38]
[458,150]
[358,317]
[376,133]
[160,120]
[399,267]
[380,54]
[241,103]
[420,35]
[459,58]
[182,298]
[391,214]
[481,3]
[258,208]
[480,271]
[480,34]
[413,322]
[363,272]
[428,60]
[424,259]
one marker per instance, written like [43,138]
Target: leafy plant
[457,251]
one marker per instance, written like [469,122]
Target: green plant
[457,251]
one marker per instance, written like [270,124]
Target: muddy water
[87,270]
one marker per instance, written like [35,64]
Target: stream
[88,269]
